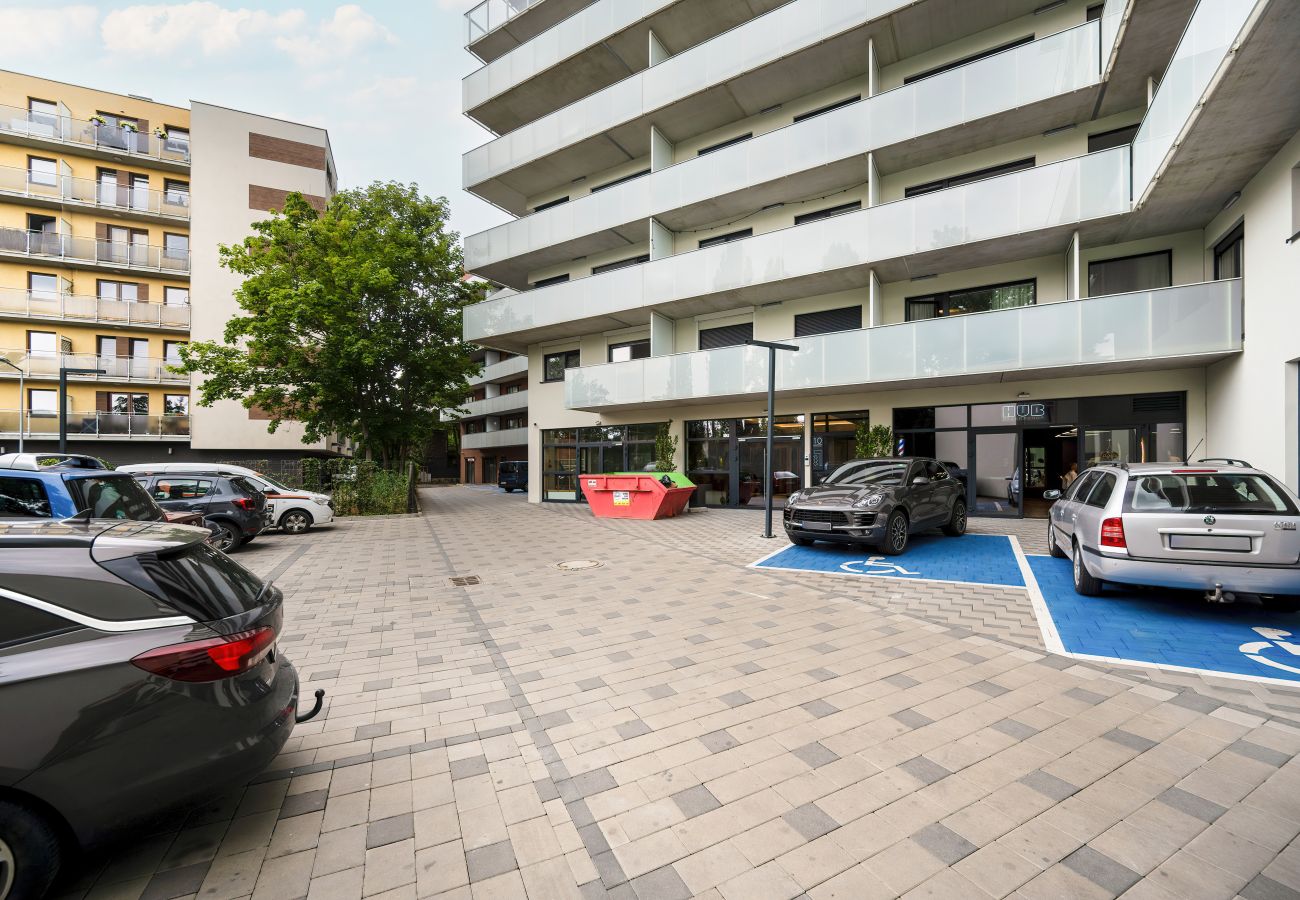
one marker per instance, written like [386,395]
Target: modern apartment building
[494,428]
[111,211]
[1025,235]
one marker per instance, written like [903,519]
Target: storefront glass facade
[602,449]
[835,440]
[725,459]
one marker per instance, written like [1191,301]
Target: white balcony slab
[489,440]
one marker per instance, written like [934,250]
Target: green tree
[351,320]
[665,448]
[873,441]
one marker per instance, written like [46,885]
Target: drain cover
[577,565]
[465,580]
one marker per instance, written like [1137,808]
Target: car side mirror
[920,479]
[1051,495]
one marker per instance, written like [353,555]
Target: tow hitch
[311,714]
[1218,595]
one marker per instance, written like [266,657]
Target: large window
[828,321]
[176,246]
[967,60]
[726,460]
[830,107]
[176,193]
[42,287]
[43,402]
[43,113]
[726,336]
[42,343]
[972,300]
[1104,140]
[547,282]
[554,364]
[176,404]
[629,350]
[829,212]
[713,148]
[42,171]
[1144,272]
[570,452]
[621,264]
[967,177]
[834,440]
[176,296]
[609,184]
[726,238]
[1228,254]
[128,404]
[125,291]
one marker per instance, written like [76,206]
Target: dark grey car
[138,672]
[229,504]
[880,502]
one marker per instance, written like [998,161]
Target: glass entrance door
[994,479]
[787,464]
[1111,445]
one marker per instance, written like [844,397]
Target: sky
[383,76]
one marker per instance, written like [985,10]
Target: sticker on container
[591,482]
[622,498]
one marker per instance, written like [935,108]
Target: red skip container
[637,495]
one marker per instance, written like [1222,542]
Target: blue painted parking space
[1170,629]
[973,559]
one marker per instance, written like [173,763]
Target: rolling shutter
[847,319]
[726,336]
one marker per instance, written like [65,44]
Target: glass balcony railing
[17,182]
[115,368]
[1171,323]
[81,425]
[94,135]
[1047,196]
[81,308]
[1054,66]
[1205,43]
[515,365]
[484,440]
[491,15]
[118,254]
[495,406]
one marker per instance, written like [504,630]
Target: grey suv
[1217,526]
[229,504]
[880,502]
[138,671]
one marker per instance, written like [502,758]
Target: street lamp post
[64,372]
[771,424]
[21,394]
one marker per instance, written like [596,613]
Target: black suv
[229,504]
[512,476]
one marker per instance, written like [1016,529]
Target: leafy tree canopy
[351,320]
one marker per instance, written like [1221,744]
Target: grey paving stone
[1261,887]
[562,651]
[591,684]
[973,658]
[757,644]
[551,719]
[593,839]
[749,668]
[1017,730]
[681,662]
[390,830]
[619,656]
[924,770]
[435,696]
[717,741]
[988,687]
[1129,739]
[821,674]
[378,684]
[696,801]
[810,820]
[901,680]
[1101,870]
[1085,696]
[468,767]
[944,844]
[1261,754]
[891,652]
[823,626]
[546,791]
[1198,702]
[661,884]
[818,708]
[712,620]
[487,862]
[1187,802]
[736,698]
[379,729]
[173,883]
[1049,785]
[300,804]
[588,783]
[911,718]
[660,691]
[611,873]
[629,730]
[815,755]
[824,648]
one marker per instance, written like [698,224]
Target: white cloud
[349,31]
[27,31]
[178,28]
[384,89]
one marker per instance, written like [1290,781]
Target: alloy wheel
[898,533]
[6,870]
[959,520]
[294,523]
[227,539]
[1077,563]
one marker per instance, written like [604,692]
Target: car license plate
[817,526]
[1228,542]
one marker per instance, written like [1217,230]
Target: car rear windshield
[198,580]
[513,468]
[243,484]
[882,472]
[114,497]
[23,498]
[1216,492]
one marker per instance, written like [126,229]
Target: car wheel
[1084,583]
[228,539]
[1052,547]
[956,526]
[895,534]
[30,853]
[295,521]
[1281,604]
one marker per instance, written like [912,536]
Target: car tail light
[1112,534]
[211,659]
[244,503]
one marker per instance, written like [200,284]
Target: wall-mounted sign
[1021,412]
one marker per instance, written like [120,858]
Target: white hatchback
[289,509]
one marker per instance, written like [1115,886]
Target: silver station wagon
[1217,526]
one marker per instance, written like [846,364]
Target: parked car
[878,502]
[512,476]
[62,485]
[292,511]
[139,672]
[232,507]
[751,485]
[958,472]
[1221,527]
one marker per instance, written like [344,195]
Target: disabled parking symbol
[874,565]
[1255,650]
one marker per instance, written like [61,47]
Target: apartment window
[512,388]
[176,404]
[554,364]
[967,60]
[43,402]
[42,224]
[829,321]
[107,346]
[178,140]
[969,177]
[629,350]
[726,238]
[476,426]
[43,112]
[121,132]
[1228,254]
[726,336]
[721,145]
[1104,140]
[847,101]
[829,212]
[42,287]
[125,291]
[42,171]
[512,422]
[1143,272]
[972,300]
[621,264]
[172,352]
[176,296]
[547,282]
[42,343]
[176,246]
[128,404]
[617,181]
[176,193]
[548,204]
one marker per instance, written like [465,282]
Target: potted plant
[128,126]
[160,133]
[98,120]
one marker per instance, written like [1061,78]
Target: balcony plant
[128,126]
[98,120]
[160,133]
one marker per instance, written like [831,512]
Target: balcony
[1014,94]
[490,440]
[513,367]
[82,252]
[94,425]
[20,126]
[493,27]
[1185,325]
[116,368]
[16,303]
[495,406]
[955,228]
[86,194]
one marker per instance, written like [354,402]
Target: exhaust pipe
[311,714]
[1218,595]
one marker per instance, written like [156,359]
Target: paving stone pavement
[672,724]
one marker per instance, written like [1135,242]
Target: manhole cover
[465,580]
[577,565]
